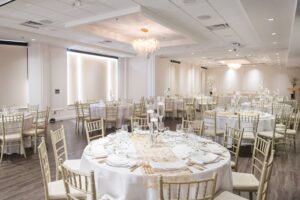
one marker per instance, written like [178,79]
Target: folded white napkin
[117,161]
[168,165]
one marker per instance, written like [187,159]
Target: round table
[28,119]
[125,110]
[266,120]
[267,107]
[174,151]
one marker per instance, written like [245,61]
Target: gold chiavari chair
[291,132]
[169,107]
[200,189]
[196,126]
[94,129]
[54,190]
[232,140]
[81,182]
[12,133]
[210,125]
[263,187]
[260,106]
[249,182]
[141,121]
[276,137]
[250,124]
[40,127]
[82,113]
[59,145]
[277,108]
[111,118]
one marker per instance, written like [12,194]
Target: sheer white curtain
[13,75]
[91,77]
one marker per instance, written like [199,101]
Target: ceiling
[195,31]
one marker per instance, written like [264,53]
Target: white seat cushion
[12,137]
[31,131]
[280,126]
[106,197]
[269,134]
[290,132]
[228,196]
[244,182]
[248,135]
[56,190]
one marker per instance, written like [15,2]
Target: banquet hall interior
[149,99]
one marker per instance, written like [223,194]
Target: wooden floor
[21,179]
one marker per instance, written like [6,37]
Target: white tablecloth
[28,119]
[124,111]
[122,184]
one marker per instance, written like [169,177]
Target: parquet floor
[21,179]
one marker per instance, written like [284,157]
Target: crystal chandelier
[145,46]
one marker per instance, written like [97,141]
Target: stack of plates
[182,151]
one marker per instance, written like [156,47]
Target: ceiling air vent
[33,24]
[218,27]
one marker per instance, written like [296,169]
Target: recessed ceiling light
[230,50]
[275,42]
[236,54]
[32,39]
[193,53]
[277,53]
[249,55]
[271,19]
[203,57]
[274,33]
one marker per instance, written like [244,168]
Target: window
[13,75]
[91,77]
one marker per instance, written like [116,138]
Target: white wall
[249,79]
[137,77]
[182,79]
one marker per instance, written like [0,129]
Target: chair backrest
[94,129]
[210,120]
[32,108]
[196,125]
[190,112]
[41,119]
[12,124]
[111,112]
[142,122]
[296,122]
[82,182]
[78,110]
[248,122]
[260,155]
[59,145]
[232,140]
[200,189]
[169,104]
[190,102]
[265,178]
[277,108]
[137,109]
[44,163]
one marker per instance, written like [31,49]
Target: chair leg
[250,196]
[294,140]
[22,148]
[35,143]
[2,152]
